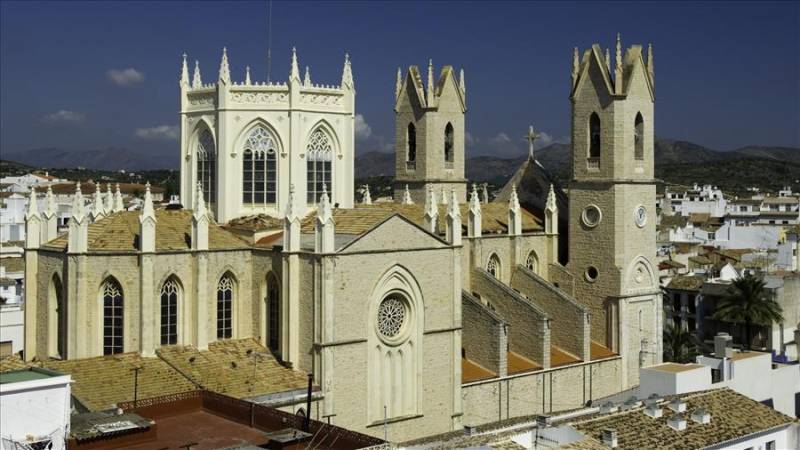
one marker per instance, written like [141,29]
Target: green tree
[680,346]
[748,302]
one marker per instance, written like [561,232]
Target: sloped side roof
[362,218]
[532,182]
[119,232]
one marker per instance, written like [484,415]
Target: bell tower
[612,202]
[429,126]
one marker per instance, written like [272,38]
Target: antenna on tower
[269,40]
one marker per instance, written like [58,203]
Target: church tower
[612,203]
[429,127]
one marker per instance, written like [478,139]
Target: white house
[35,409]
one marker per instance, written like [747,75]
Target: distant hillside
[787,154]
[105,159]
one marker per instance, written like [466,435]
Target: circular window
[591,273]
[392,313]
[640,216]
[591,216]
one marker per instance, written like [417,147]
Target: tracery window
[411,143]
[112,318]
[391,316]
[319,154]
[638,136]
[532,262]
[448,143]
[207,165]
[493,267]
[225,308]
[594,136]
[259,168]
[169,312]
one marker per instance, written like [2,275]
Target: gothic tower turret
[612,203]
[429,126]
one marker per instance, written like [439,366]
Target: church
[414,317]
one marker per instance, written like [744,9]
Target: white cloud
[65,116]
[363,130]
[169,132]
[468,139]
[544,140]
[125,77]
[501,138]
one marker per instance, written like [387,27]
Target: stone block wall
[562,279]
[529,331]
[484,338]
[570,319]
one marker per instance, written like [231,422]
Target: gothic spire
[431,211]
[453,220]
[224,69]
[444,196]
[650,66]
[184,72]
[551,199]
[247,76]
[514,213]
[50,202]
[608,61]
[199,221]
[575,66]
[98,209]
[324,212]
[119,205]
[196,80]
[618,67]
[199,202]
[513,201]
[291,224]
[398,84]
[307,79]
[430,82]
[461,82]
[108,208]
[291,208]
[77,203]
[551,212]
[347,73]
[485,193]
[294,73]
[474,228]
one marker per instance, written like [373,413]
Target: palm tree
[749,302]
[679,345]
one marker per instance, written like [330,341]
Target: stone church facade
[414,317]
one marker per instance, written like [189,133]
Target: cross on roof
[531,138]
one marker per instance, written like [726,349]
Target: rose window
[391,316]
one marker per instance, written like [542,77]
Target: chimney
[469,430]
[677,422]
[723,345]
[610,437]
[543,421]
[631,403]
[701,416]
[677,405]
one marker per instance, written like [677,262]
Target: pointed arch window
[532,262]
[638,137]
[112,317]
[594,136]
[319,155]
[259,168]
[169,312]
[411,143]
[225,307]
[274,314]
[448,143]
[56,320]
[493,267]
[207,165]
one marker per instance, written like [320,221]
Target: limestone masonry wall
[483,336]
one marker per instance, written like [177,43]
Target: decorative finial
[119,205]
[197,82]
[407,197]
[224,69]
[398,84]
[199,202]
[184,72]
[575,66]
[485,193]
[474,200]
[453,207]
[247,76]
[618,70]
[367,199]
[77,203]
[461,82]
[294,73]
[33,206]
[324,207]
[444,196]
[650,65]
[347,73]
[430,82]
[50,201]
[291,210]
[109,204]
[98,210]
[307,79]
[551,199]
[513,201]
[531,138]
[608,61]
[619,51]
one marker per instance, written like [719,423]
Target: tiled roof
[14,264]
[88,187]
[363,217]
[732,416]
[227,367]
[472,371]
[701,260]
[687,283]
[119,232]
[673,221]
[256,222]
[699,217]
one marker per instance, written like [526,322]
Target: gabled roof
[593,55]
[414,80]
[119,232]
[633,58]
[448,75]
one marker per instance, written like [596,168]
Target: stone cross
[531,138]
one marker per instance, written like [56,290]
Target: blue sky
[727,74]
